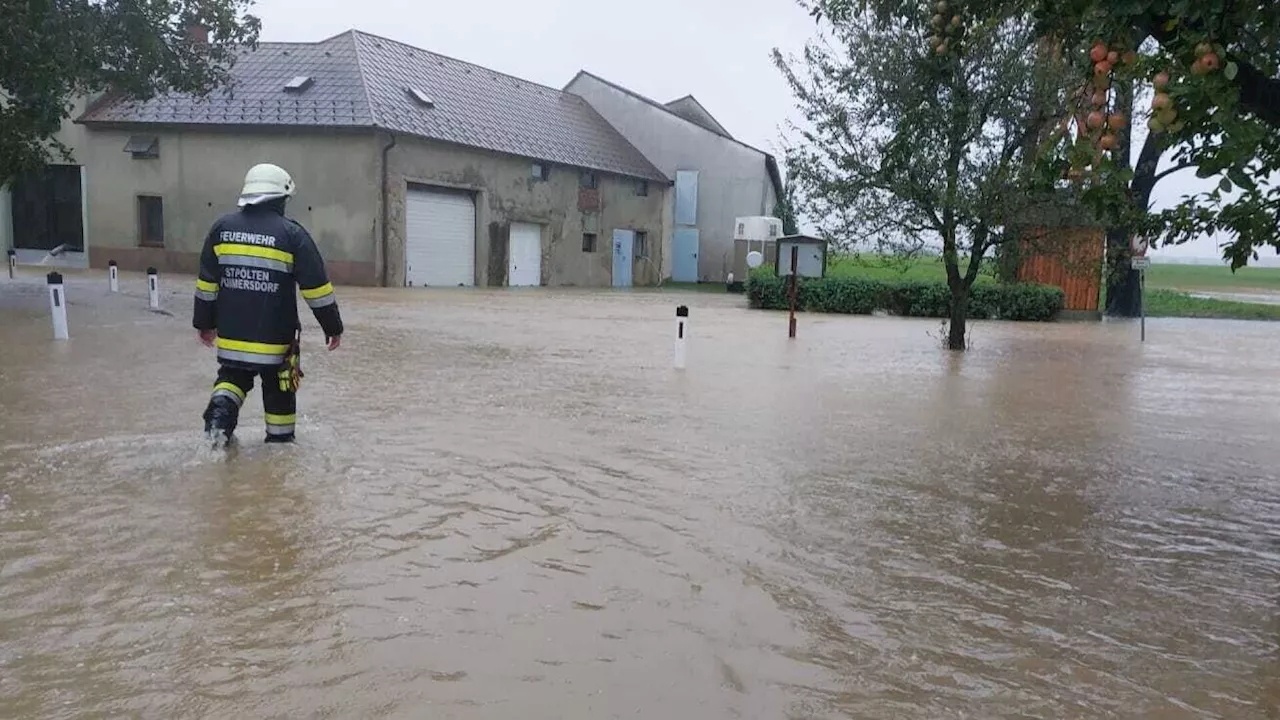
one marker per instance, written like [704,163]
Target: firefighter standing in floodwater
[252,264]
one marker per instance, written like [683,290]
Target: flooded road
[508,505]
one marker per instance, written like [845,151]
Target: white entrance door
[524,255]
[440,238]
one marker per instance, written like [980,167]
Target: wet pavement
[506,504]
[1261,297]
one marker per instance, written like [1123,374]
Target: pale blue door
[624,242]
[686,255]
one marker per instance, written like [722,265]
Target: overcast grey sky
[717,50]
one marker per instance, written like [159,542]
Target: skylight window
[298,84]
[421,98]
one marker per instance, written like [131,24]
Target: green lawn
[1172,303]
[885,267]
[1174,277]
[1212,277]
[1168,286]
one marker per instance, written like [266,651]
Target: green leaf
[1230,71]
[1241,179]
[1225,186]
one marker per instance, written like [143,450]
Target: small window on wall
[642,244]
[642,188]
[588,181]
[150,221]
[143,147]
[540,171]
[588,242]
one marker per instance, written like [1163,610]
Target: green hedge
[913,298]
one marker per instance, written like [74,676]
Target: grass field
[1213,277]
[883,267]
[1172,277]
[1161,302]
[1168,286]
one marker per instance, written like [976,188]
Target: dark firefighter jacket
[253,262]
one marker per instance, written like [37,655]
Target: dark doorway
[47,210]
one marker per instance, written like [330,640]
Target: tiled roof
[362,80]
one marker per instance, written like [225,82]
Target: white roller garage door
[440,244]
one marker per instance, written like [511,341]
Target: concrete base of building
[1080,316]
[42,258]
[138,259]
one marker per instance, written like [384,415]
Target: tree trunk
[1123,296]
[959,315]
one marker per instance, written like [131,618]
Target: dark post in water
[791,290]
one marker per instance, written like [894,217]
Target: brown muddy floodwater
[506,504]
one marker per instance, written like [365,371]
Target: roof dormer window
[298,83]
[421,97]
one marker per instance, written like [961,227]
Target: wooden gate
[1070,258]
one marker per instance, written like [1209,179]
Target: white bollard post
[153,288]
[114,274]
[58,305]
[13,262]
[682,322]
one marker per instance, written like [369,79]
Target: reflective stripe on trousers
[280,424]
[229,390]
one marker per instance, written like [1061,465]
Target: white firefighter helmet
[265,182]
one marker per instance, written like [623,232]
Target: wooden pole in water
[791,322]
[13,262]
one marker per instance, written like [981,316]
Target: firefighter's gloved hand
[290,374]
[208,336]
[334,342]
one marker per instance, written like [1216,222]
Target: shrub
[913,298]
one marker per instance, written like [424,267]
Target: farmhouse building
[412,168]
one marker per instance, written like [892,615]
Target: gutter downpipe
[385,212]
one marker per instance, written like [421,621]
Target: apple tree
[916,127]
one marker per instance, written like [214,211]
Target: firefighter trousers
[229,392]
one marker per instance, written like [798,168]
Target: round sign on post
[1138,245]
[755,259]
